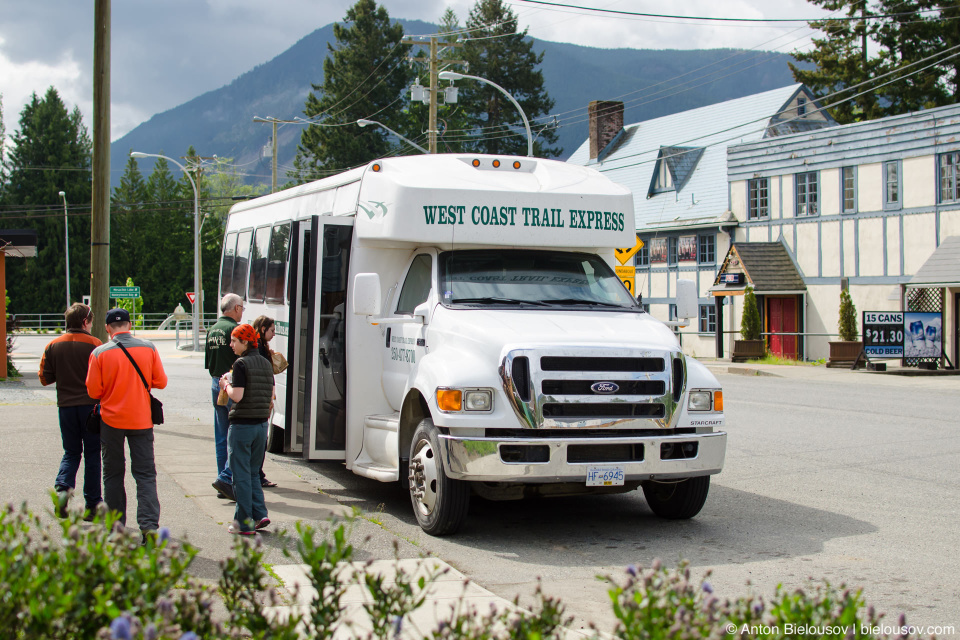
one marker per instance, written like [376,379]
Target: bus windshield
[515,278]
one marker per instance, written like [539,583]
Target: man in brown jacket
[65,362]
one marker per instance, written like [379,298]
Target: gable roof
[942,268]
[767,265]
[702,198]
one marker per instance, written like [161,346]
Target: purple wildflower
[189,635]
[163,535]
[120,629]
[706,587]
[397,626]
[632,570]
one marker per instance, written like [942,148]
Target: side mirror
[422,311]
[366,294]
[687,306]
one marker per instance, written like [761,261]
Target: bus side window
[277,262]
[241,264]
[226,265]
[416,286]
[258,264]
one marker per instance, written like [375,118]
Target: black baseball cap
[117,315]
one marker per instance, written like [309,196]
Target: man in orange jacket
[64,363]
[125,415]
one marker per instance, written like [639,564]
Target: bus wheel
[677,500]
[440,503]
[274,439]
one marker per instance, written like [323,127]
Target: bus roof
[448,199]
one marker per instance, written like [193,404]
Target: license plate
[604,476]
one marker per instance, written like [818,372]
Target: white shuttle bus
[455,323]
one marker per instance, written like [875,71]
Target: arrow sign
[191,296]
[623,255]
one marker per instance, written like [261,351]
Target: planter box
[744,350]
[843,354]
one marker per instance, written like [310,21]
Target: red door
[782,319]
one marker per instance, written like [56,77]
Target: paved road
[844,475]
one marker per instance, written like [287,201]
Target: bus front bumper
[546,460]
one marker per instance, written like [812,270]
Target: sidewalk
[821,372]
[192,511]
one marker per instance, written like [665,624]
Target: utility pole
[435,63]
[100,211]
[275,122]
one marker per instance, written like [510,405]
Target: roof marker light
[496,164]
[476,163]
[516,164]
[376,166]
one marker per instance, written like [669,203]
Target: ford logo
[605,387]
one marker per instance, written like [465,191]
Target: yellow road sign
[628,276]
[625,254]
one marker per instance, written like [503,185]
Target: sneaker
[263,524]
[63,499]
[225,489]
[234,529]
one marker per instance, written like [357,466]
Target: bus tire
[274,439]
[677,500]
[440,503]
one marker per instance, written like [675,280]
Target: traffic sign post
[124,292]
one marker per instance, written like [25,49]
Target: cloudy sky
[166,52]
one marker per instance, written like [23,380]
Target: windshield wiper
[495,300]
[579,301]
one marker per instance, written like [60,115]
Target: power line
[718,19]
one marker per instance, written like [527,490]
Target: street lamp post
[362,122]
[66,242]
[453,75]
[198,300]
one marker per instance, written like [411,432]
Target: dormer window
[663,181]
[674,167]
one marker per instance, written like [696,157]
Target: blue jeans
[78,443]
[221,426]
[246,444]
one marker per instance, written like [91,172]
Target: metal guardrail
[54,322]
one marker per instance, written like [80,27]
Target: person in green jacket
[219,358]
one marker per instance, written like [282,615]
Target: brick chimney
[606,121]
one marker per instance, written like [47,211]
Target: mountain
[651,83]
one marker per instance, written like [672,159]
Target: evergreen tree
[498,52]
[910,34]
[364,76]
[848,317]
[129,239]
[51,153]
[750,322]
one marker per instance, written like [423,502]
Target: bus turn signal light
[449,399]
[718,400]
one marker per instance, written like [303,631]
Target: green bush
[97,581]
[848,318]
[750,323]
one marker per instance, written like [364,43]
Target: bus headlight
[478,400]
[458,400]
[705,400]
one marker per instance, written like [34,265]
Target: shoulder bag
[156,407]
